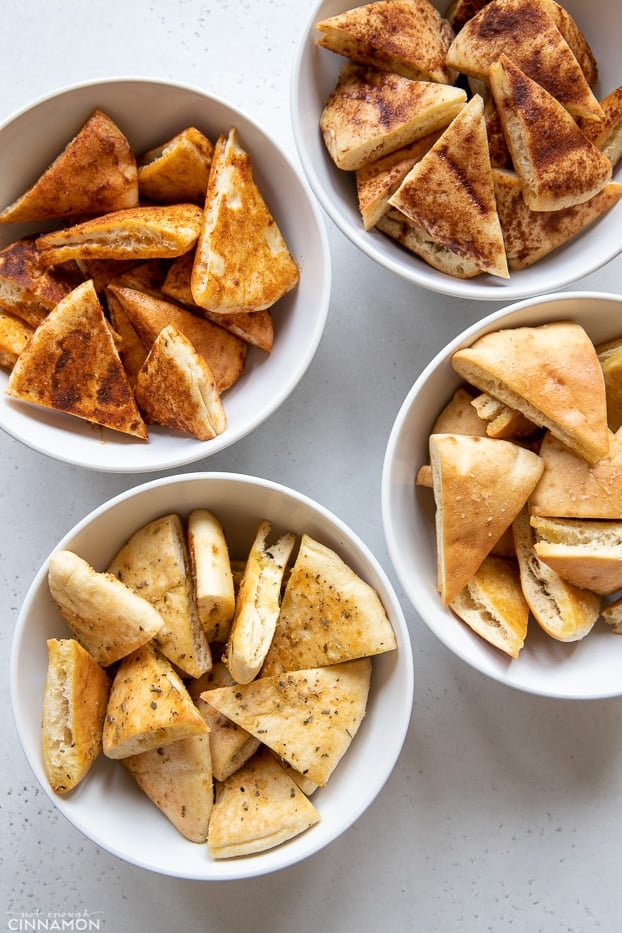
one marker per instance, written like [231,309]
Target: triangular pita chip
[550,373]
[328,614]
[575,39]
[611,362]
[460,12]
[607,133]
[177,171]
[28,288]
[572,488]
[242,262]
[371,113]
[406,37]
[71,364]
[309,717]
[559,168]
[14,335]
[155,563]
[480,485]
[257,808]
[211,573]
[418,241]
[457,171]
[149,706]
[584,552]
[94,174]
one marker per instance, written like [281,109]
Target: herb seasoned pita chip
[211,574]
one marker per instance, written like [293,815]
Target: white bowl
[150,112]
[585,669]
[314,76]
[107,806]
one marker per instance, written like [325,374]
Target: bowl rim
[398,562]
[480,288]
[190,450]
[279,857]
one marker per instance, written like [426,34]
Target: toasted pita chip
[493,605]
[572,488]
[108,618]
[456,170]
[557,169]
[611,614]
[132,351]
[14,335]
[211,574]
[149,706]
[611,363]
[501,420]
[497,145]
[575,39]
[94,174]
[176,387]
[480,485]
[371,113]
[154,232]
[607,133]
[459,416]
[550,373]
[28,289]
[71,364]
[256,809]
[224,353]
[177,171]
[328,614]
[155,563]
[405,37]
[74,705]
[178,780]
[308,717]
[418,241]
[526,33]
[460,12]
[242,262]
[586,553]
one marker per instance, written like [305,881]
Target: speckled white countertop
[504,812]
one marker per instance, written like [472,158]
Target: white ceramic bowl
[588,668]
[150,112]
[315,74]
[107,806]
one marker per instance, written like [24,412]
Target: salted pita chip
[480,485]
[177,171]
[108,618]
[584,552]
[418,241]
[328,614]
[308,717]
[459,416]
[149,706]
[71,364]
[94,174]
[501,420]
[178,780]
[242,262]
[572,488]
[371,113]
[406,37]
[28,289]
[456,170]
[256,809]
[550,373]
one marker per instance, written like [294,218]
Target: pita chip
[418,241]
[584,552]
[177,171]
[14,335]
[29,289]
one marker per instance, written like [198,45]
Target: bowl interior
[150,112]
[108,807]
[315,73]
[589,668]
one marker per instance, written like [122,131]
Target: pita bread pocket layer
[371,113]
[418,241]
[242,262]
[74,705]
[177,171]
[71,365]
[257,604]
[328,614]
[178,780]
[14,335]
[493,605]
[572,488]
[551,374]
[94,174]
[586,553]
[480,484]
[28,289]
[149,706]
[525,32]
[257,808]
[211,574]
[176,388]
[152,232]
[224,353]
[155,563]
[308,717]
[558,168]
[108,618]
[564,611]
[456,171]
[529,235]
[406,37]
